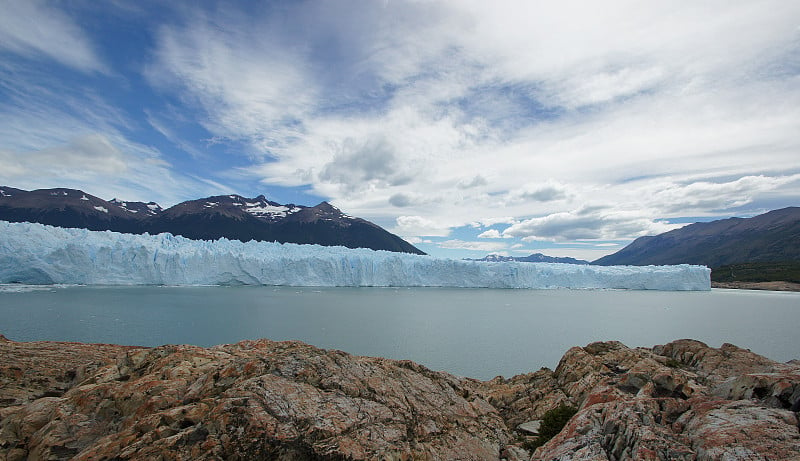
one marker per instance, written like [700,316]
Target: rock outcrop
[288,400]
[681,401]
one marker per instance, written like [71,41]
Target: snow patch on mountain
[262,210]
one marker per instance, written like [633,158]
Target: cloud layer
[564,122]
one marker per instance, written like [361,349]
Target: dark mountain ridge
[230,216]
[770,237]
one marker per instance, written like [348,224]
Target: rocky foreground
[288,400]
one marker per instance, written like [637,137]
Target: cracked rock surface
[681,401]
[292,401]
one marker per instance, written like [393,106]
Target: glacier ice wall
[39,254]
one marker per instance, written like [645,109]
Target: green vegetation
[758,272]
[672,363]
[552,423]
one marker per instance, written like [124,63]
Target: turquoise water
[478,333]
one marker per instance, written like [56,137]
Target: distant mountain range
[534,258]
[230,216]
[770,237]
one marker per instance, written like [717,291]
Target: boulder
[530,427]
[680,401]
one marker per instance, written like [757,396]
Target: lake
[480,333]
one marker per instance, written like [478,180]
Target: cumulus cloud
[411,199]
[546,191]
[400,200]
[490,234]
[419,226]
[369,165]
[488,222]
[471,246]
[705,196]
[588,223]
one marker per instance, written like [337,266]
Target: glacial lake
[480,333]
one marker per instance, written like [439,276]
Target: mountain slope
[770,237]
[71,208]
[230,216]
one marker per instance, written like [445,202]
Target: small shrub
[672,363]
[552,423]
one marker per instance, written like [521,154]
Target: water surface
[479,333]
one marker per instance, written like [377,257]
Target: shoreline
[762,286]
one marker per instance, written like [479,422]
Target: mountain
[770,237]
[230,216]
[72,208]
[534,258]
[240,218]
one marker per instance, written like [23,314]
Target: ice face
[39,254]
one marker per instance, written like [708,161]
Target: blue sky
[469,127]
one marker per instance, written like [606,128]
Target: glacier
[40,254]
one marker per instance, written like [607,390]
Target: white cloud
[475,181]
[239,72]
[419,226]
[52,138]
[605,86]
[34,28]
[472,246]
[490,234]
[83,156]
[546,191]
[108,166]
[417,240]
[408,199]
[448,111]
[562,121]
[488,222]
[704,196]
[588,223]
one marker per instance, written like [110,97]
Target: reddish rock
[256,400]
[288,400]
[681,401]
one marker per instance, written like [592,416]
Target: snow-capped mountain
[146,209]
[534,258]
[210,218]
[70,208]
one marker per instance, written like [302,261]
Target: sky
[567,128]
